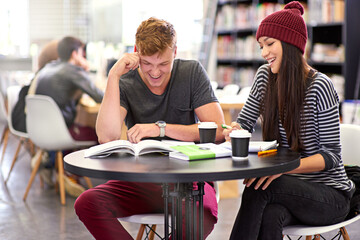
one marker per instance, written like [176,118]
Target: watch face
[161,123]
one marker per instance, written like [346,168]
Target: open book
[199,151]
[136,149]
[255,146]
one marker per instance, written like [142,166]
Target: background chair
[12,98]
[148,222]
[214,85]
[349,138]
[47,129]
[4,125]
[227,93]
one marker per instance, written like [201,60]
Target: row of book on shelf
[244,15]
[326,52]
[246,48]
[244,77]
[326,11]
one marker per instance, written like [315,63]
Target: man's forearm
[109,121]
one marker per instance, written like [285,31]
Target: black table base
[184,192]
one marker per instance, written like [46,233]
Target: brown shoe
[73,188]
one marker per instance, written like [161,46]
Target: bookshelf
[332,38]
[352,49]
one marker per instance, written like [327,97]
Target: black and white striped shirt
[320,129]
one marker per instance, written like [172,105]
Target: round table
[159,168]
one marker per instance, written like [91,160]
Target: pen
[225,126]
[267,152]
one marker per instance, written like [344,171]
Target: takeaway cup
[207,131]
[240,144]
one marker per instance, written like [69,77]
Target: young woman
[298,107]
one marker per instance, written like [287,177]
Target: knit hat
[286,25]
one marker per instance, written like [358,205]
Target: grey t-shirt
[189,88]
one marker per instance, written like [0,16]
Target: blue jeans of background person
[287,200]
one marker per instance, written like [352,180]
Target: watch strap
[162,132]
[161,125]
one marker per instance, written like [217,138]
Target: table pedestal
[184,192]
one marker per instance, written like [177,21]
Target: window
[14,28]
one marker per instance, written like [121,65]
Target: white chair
[350,139]
[228,94]
[214,85]
[244,94]
[4,123]
[231,89]
[148,222]
[12,98]
[47,129]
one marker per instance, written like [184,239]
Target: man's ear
[175,51]
[74,54]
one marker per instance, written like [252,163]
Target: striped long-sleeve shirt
[320,131]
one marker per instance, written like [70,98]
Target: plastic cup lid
[207,125]
[240,134]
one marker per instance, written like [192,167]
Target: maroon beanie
[286,25]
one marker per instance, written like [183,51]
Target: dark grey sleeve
[83,82]
[123,99]
[202,89]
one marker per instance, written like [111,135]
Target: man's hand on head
[129,61]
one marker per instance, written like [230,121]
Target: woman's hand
[228,130]
[268,179]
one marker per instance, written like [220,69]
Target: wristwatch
[161,125]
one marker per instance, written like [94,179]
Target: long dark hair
[284,98]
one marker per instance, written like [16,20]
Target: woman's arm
[314,163]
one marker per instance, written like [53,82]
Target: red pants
[99,207]
[82,133]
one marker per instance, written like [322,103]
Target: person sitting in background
[48,53]
[299,108]
[159,97]
[65,80]
[18,115]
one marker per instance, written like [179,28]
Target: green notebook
[199,151]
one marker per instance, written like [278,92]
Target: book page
[255,146]
[143,147]
[105,149]
[149,146]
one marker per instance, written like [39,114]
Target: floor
[42,217]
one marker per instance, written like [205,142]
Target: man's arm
[111,115]
[210,112]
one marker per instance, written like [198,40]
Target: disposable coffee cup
[207,131]
[240,144]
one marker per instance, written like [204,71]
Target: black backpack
[18,115]
[353,173]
